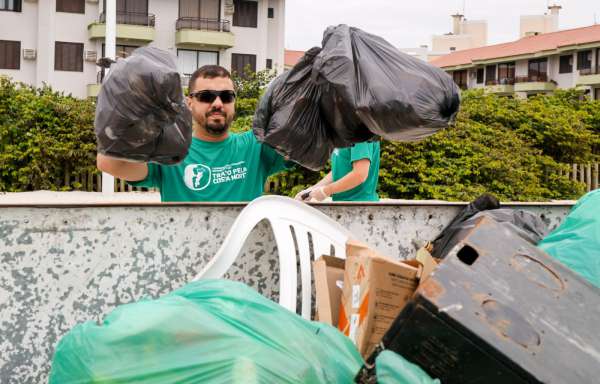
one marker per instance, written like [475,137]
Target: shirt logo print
[197,176]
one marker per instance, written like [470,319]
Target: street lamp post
[108,181]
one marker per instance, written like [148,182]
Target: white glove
[304,194]
[318,194]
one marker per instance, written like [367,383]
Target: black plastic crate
[499,310]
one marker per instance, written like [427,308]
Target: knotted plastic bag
[141,113]
[209,331]
[370,82]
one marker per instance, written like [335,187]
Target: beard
[217,128]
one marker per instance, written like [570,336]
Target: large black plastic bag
[369,82]
[288,117]
[141,113]
[523,224]
[355,87]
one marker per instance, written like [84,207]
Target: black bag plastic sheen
[141,113]
[355,87]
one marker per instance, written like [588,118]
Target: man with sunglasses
[220,166]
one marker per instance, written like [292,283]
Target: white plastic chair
[284,214]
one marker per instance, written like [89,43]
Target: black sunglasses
[209,96]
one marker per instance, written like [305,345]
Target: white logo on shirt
[197,176]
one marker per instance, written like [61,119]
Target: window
[200,9]
[239,62]
[565,64]
[506,73]
[460,78]
[537,70]
[136,6]
[490,74]
[188,60]
[71,6]
[271,13]
[10,54]
[10,5]
[479,75]
[269,64]
[597,94]
[68,56]
[245,14]
[134,12]
[584,60]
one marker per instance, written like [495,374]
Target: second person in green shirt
[353,177]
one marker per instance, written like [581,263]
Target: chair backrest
[296,227]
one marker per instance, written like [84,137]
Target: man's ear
[188,102]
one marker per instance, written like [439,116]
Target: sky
[411,23]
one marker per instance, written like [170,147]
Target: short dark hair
[208,72]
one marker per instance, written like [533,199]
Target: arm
[122,169]
[304,194]
[326,187]
[325,180]
[358,175]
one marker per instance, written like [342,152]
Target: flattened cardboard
[328,271]
[376,288]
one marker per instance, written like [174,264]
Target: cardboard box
[329,279]
[376,289]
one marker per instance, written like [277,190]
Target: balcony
[94,89]
[131,26]
[211,33]
[504,86]
[589,77]
[534,83]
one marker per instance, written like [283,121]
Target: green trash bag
[209,331]
[576,241]
[392,368]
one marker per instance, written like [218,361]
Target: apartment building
[536,63]
[58,41]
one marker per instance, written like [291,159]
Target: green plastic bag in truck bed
[209,331]
[576,241]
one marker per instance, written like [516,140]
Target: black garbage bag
[141,113]
[524,224]
[289,119]
[355,87]
[482,203]
[369,83]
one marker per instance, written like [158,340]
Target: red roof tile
[523,46]
[292,57]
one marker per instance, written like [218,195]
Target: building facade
[57,42]
[531,65]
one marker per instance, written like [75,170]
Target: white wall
[477,29]
[72,28]
[538,23]
[275,35]
[253,40]
[166,13]
[564,80]
[23,27]
[39,26]
[444,42]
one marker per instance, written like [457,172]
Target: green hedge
[43,134]
[512,148]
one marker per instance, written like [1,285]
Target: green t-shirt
[341,165]
[234,169]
